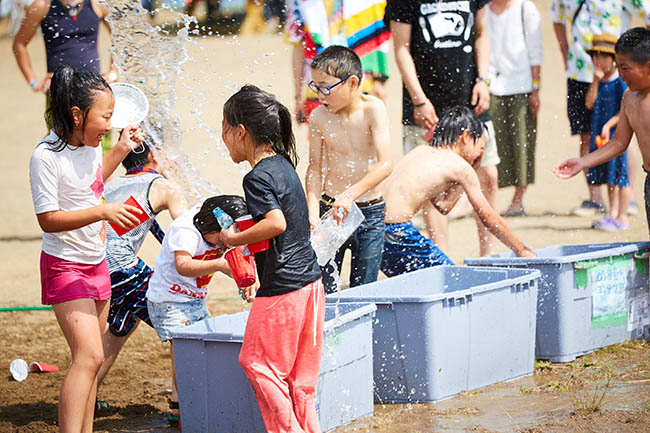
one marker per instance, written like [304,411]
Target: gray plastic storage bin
[443,330]
[590,296]
[216,396]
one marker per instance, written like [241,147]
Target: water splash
[154,59]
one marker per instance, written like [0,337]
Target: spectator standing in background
[70,30]
[586,18]
[514,27]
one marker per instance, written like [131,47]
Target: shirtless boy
[349,156]
[633,61]
[438,174]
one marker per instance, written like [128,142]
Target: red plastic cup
[42,367]
[246,222]
[142,217]
[243,269]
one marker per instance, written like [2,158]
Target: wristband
[420,104]
[33,83]
[483,79]
[537,84]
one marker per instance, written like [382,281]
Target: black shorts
[579,115]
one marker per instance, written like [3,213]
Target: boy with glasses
[349,156]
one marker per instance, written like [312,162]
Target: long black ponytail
[266,119]
[71,88]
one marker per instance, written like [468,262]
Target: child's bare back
[425,174]
[348,145]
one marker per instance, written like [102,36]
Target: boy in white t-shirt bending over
[192,251]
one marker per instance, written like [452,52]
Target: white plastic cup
[328,236]
[19,369]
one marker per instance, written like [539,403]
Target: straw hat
[603,43]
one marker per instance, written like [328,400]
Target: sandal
[172,419]
[101,405]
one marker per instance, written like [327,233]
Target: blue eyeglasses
[325,90]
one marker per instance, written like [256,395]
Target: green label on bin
[641,263]
[608,280]
[332,340]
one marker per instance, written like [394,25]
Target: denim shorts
[365,244]
[167,316]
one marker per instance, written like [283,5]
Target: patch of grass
[592,401]
[635,344]
[542,365]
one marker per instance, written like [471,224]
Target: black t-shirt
[290,262]
[442,47]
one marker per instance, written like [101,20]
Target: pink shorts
[63,280]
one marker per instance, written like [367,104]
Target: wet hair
[137,158]
[452,124]
[635,43]
[266,119]
[71,88]
[339,62]
[233,205]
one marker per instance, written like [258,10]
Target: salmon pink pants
[281,356]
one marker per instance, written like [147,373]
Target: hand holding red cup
[247,222]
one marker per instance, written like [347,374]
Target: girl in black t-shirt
[282,346]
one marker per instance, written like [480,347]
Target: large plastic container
[590,296]
[216,396]
[443,330]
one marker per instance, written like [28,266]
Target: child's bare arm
[272,225]
[446,204]
[380,138]
[130,138]
[607,127]
[192,268]
[165,194]
[314,176]
[490,218]
[62,221]
[614,147]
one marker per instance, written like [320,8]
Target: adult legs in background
[516,135]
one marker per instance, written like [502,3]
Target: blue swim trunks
[129,300]
[406,250]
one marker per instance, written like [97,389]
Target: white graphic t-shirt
[69,179]
[166,284]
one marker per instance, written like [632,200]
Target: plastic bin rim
[522,261]
[365,309]
[527,276]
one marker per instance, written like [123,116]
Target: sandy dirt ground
[138,384]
